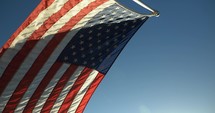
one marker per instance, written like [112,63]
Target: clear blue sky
[168,66]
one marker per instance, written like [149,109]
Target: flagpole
[154,12]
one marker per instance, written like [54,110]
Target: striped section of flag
[60,54]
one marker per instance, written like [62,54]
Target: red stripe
[26,81]
[38,63]
[58,88]
[42,5]
[40,89]
[76,87]
[89,93]
[31,42]
[74,90]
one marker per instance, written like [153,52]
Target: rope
[154,12]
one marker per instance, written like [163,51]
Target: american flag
[59,55]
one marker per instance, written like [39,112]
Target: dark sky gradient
[168,66]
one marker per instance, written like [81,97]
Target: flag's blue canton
[98,44]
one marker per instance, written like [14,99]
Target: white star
[92,58]
[72,47]
[99,47]
[108,30]
[124,30]
[116,27]
[125,24]
[82,49]
[66,58]
[90,45]
[100,60]
[115,33]
[101,22]
[99,28]
[107,50]
[115,46]
[132,26]
[90,38]
[111,19]
[92,25]
[100,54]
[81,36]
[143,18]
[91,51]
[121,16]
[93,64]
[75,60]
[81,42]
[74,53]
[83,55]
[113,13]
[131,14]
[124,11]
[98,41]
[85,62]
[108,56]
[107,43]
[127,18]
[117,8]
[90,31]
[99,34]
[115,40]
[110,11]
[103,16]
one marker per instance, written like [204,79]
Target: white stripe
[56,77]
[36,51]
[41,45]
[82,91]
[19,41]
[50,87]
[78,26]
[64,42]
[61,46]
[66,90]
